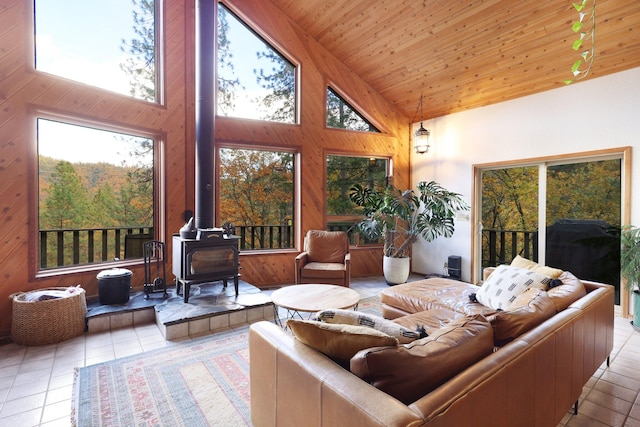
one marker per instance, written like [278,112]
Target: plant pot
[396,270]
[636,310]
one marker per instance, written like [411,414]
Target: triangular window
[341,115]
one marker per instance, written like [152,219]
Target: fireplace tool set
[155,277]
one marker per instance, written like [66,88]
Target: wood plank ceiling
[464,54]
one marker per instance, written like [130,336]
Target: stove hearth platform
[211,308]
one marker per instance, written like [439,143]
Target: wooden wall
[24,92]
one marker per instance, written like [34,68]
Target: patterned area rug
[202,382]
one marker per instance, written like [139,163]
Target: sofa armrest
[292,384]
[486,272]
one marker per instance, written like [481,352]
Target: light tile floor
[36,382]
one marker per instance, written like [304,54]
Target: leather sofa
[533,380]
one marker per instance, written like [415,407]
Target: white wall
[596,114]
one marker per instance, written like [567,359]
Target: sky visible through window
[244,47]
[81,40]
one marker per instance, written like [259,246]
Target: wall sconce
[421,136]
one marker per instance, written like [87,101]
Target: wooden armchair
[326,258]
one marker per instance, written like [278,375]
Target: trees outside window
[341,115]
[108,44]
[255,81]
[95,188]
[342,173]
[576,203]
[256,195]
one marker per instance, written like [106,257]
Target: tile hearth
[211,308]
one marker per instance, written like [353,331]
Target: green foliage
[279,103]
[341,115]
[586,56]
[630,256]
[66,204]
[227,86]
[256,187]
[343,172]
[94,195]
[400,217]
[141,65]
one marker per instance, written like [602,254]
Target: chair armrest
[301,261]
[347,270]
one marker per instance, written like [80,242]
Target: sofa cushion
[521,262]
[528,310]
[339,342]
[429,294]
[428,320]
[323,270]
[506,283]
[358,318]
[571,290]
[410,371]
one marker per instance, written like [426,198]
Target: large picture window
[255,81]
[108,44]
[342,173]
[95,194]
[256,195]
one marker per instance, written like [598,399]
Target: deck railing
[90,245]
[60,248]
[501,246]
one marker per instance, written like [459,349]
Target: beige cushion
[358,318]
[339,342]
[322,270]
[505,284]
[326,246]
[410,371]
[571,290]
[527,311]
[521,262]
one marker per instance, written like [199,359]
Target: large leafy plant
[630,257]
[400,217]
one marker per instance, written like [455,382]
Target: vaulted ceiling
[463,54]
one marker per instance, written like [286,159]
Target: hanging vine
[585,27]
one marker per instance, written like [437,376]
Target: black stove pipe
[206,79]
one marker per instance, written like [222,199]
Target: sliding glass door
[576,201]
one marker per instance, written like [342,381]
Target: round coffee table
[297,299]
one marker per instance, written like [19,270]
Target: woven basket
[49,321]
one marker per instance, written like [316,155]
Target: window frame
[622,153]
[274,45]
[159,56]
[159,193]
[356,110]
[389,181]
[296,192]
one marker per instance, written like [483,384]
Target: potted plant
[400,217]
[630,267]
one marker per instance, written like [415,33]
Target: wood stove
[210,254]
[210,258]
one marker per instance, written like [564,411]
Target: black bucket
[114,286]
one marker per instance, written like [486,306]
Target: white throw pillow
[352,317]
[505,284]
